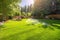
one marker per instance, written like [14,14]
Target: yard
[30,29]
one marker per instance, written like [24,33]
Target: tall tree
[5,7]
[42,7]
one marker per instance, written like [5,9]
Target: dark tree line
[44,7]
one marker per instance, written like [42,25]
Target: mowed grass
[22,30]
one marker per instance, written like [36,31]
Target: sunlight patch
[36,23]
[1,23]
[44,23]
[32,21]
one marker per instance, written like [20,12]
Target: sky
[26,2]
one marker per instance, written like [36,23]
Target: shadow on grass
[43,36]
[56,26]
[1,27]
[51,23]
[35,37]
[17,35]
[47,26]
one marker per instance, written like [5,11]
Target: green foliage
[42,7]
[29,14]
[8,7]
[58,4]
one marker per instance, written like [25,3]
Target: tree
[5,8]
[58,4]
[42,7]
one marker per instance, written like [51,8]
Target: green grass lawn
[22,30]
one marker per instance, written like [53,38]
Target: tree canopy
[42,7]
[7,7]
